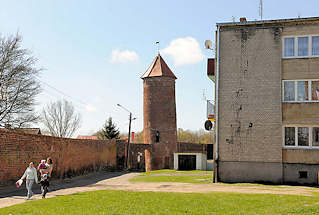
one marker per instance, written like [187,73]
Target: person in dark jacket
[44,185]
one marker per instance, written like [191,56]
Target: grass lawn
[126,202]
[175,178]
[169,171]
[195,176]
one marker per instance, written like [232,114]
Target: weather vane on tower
[158,47]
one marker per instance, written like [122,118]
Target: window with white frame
[315,90]
[301,46]
[289,47]
[315,136]
[289,90]
[301,136]
[300,91]
[315,45]
[290,136]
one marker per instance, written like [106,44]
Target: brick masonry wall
[70,156]
[121,154]
[159,110]
[191,148]
[136,148]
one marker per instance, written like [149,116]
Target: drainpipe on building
[216,114]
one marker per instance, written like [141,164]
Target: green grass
[174,178]
[126,202]
[195,176]
[169,171]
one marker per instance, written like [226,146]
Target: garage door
[186,162]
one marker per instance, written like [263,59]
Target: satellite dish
[208,44]
[208,125]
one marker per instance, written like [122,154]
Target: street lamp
[128,166]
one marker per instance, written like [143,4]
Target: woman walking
[31,176]
[48,168]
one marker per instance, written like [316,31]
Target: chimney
[243,19]
[211,67]
[132,136]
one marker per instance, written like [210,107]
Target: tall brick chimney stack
[159,115]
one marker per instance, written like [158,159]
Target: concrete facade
[251,111]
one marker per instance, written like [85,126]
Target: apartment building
[267,101]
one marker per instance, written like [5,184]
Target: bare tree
[61,119]
[18,83]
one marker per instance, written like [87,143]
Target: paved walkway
[120,181]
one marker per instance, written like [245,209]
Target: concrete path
[120,181]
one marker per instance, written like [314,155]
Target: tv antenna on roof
[261,9]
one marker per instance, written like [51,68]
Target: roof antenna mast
[158,47]
[261,9]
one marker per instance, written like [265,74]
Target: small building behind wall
[192,156]
[190,161]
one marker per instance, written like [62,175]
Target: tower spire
[158,68]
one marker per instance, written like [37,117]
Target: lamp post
[128,164]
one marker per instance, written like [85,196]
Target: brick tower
[159,115]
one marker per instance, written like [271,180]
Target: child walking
[44,185]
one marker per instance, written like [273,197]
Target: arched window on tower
[157,137]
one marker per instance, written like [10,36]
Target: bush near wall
[70,156]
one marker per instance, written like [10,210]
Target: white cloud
[184,51]
[90,108]
[125,56]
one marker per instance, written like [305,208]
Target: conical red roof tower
[159,109]
[158,68]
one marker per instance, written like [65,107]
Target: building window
[303,174]
[289,136]
[306,137]
[315,136]
[289,91]
[289,47]
[303,46]
[315,45]
[303,136]
[315,90]
[300,91]
[157,137]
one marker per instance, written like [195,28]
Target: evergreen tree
[109,130]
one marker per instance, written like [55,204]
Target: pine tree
[109,130]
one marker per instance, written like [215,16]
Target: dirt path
[121,182]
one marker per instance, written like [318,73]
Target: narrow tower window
[157,137]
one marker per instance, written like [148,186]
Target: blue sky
[74,41]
